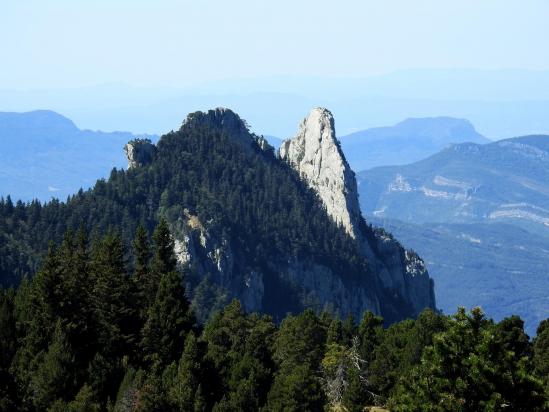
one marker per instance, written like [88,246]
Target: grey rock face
[211,254]
[139,152]
[324,289]
[321,288]
[315,153]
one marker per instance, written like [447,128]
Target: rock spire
[316,154]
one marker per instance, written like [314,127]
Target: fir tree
[168,321]
[164,259]
[54,377]
[187,382]
[142,271]
[541,355]
[296,389]
[8,342]
[469,368]
[369,332]
[8,337]
[111,297]
[335,332]
[355,397]
[84,401]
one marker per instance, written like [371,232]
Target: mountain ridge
[315,153]
[466,182]
[245,224]
[407,141]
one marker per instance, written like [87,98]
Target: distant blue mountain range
[479,215]
[504,181]
[44,155]
[406,142]
[500,103]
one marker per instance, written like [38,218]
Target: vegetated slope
[245,207]
[406,142]
[45,155]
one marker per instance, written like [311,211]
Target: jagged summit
[316,154]
[249,227]
[220,118]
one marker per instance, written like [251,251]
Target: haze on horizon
[142,65]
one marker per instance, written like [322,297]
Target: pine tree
[8,337]
[168,321]
[470,368]
[239,352]
[369,333]
[541,348]
[298,349]
[355,397]
[541,355]
[46,296]
[300,339]
[335,332]
[8,342]
[223,333]
[199,400]
[349,329]
[335,366]
[76,312]
[85,401]
[54,377]
[152,395]
[126,398]
[142,271]
[296,389]
[102,371]
[187,382]
[37,311]
[111,297]
[164,259]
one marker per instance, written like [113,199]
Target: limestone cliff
[316,155]
[231,274]
[377,273]
[139,152]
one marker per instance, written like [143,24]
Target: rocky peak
[139,152]
[316,154]
[222,119]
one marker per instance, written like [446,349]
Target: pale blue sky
[176,43]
